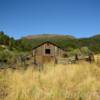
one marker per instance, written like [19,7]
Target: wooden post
[98,60]
[91,58]
[76,57]
[56,60]
[35,59]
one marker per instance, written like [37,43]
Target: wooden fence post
[98,60]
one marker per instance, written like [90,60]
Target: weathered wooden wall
[41,56]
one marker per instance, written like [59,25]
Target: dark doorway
[47,51]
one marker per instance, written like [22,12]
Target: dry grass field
[60,82]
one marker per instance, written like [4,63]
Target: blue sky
[80,18]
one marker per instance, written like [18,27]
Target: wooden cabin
[47,52]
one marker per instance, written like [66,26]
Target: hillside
[96,36]
[59,40]
[64,41]
[49,36]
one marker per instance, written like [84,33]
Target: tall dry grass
[60,82]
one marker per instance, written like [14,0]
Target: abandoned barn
[47,52]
